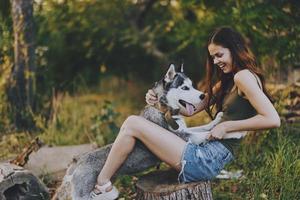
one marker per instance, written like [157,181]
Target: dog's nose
[202,96]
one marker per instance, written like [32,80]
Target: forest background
[92,61]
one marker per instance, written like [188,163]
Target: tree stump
[17,183]
[163,185]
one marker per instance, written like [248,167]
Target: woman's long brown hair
[242,58]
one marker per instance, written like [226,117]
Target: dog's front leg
[203,128]
[207,127]
[198,137]
[237,135]
[198,129]
[199,134]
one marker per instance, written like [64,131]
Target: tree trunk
[23,73]
[163,185]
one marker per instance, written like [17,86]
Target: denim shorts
[203,161]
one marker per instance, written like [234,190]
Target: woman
[234,85]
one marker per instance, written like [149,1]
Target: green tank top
[235,107]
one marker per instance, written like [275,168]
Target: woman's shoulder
[246,80]
[242,74]
[245,76]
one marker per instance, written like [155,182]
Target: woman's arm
[267,117]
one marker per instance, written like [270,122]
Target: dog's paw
[198,138]
[219,115]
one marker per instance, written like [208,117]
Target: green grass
[271,167]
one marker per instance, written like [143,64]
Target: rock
[17,183]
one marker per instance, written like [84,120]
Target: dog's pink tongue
[189,108]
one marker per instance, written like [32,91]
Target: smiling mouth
[222,66]
[190,108]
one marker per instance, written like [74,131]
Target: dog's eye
[185,88]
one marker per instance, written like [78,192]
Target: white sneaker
[102,194]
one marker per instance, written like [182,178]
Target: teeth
[222,66]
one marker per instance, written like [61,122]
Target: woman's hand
[151,98]
[217,132]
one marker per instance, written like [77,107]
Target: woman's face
[221,57]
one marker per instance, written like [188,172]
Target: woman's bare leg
[164,144]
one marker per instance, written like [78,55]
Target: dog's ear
[170,73]
[181,68]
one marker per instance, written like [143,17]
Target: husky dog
[176,93]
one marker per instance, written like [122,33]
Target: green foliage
[13,143]
[104,125]
[91,39]
[84,38]
[4,9]
[87,40]
[47,178]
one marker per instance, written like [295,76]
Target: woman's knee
[129,126]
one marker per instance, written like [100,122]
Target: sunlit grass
[75,116]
